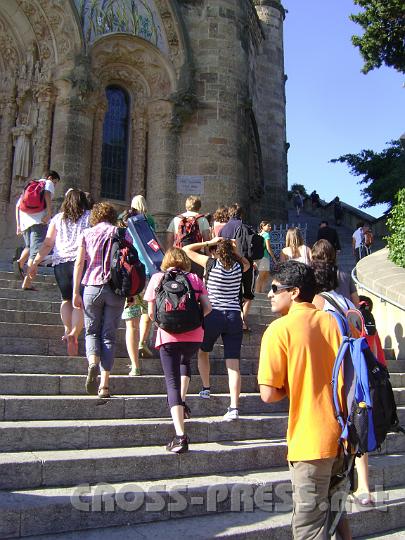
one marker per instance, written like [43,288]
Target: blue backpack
[369,411]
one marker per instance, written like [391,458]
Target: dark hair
[235,211]
[221,214]
[324,221]
[124,217]
[90,200]
[103,211]
[367,300]
[297,274]
[53,174]
[325,276]
[323,250]
[74,205]
[209,218]
[225,254]
[360,224]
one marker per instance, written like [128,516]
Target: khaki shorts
[318,492]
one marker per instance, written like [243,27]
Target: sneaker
[231,414]
[91,381]
[205,393]
[135,372]
[187,411]
[178,445]
[144,351]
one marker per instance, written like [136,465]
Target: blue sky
[332,108]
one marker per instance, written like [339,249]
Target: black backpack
[177,309]
[369,321]
[249,243]
[127,273]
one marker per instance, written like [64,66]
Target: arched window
[114,155]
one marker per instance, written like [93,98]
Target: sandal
[104,392]
[91,380]
[135,372]
[363,499]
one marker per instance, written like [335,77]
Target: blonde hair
[294,240]
[176,258]
[193,203]
[139,203]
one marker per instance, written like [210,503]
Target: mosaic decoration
[137,17]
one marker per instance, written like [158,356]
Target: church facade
[157,97]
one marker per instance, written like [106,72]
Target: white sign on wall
[190,185]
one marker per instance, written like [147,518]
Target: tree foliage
[300,188]
[396,226]
[383,173]
[383,40]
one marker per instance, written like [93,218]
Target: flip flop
[72,346]
[364,499]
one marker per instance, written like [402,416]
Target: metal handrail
[379,295]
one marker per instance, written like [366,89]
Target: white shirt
[28,220]
[202,222]
[358,236]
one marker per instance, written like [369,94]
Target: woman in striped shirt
[223,275]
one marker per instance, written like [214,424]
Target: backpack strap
[333,303]
[211,262]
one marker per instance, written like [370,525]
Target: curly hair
[294,240]
[323,250]
[225,254]
[103,211]
[221,214]
[74,205]
[176,258]
[193,203]
[300,275]
[325,276]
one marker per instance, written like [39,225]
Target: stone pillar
[162,160]
[98,121]
[46,98]
[138,150]
[8,110]
[269,108]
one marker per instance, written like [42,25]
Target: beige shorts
[263,265]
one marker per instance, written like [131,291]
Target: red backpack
[33,197]
[188,231]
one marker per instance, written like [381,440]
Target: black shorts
[64,278]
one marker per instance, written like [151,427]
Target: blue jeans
[102,315]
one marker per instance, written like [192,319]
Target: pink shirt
[163,337]
[93,240]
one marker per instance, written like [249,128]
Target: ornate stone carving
[22,142]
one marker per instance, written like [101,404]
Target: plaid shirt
[93,241]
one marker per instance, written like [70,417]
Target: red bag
[188,231]
[33,197]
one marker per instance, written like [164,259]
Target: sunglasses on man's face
[278,288]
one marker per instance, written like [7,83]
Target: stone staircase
[73,466]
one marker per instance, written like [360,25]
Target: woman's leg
[66,310]
[93,313]
[144,331]
[363,488]
[170,357]
[189,350]
[204,367]
[113,307]
[131,340]
[232,365]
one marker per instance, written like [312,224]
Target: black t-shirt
[330,234]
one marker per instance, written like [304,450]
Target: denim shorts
[34,237]
[228,325]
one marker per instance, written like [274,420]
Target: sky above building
[333,108]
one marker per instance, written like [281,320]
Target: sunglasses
[278,288]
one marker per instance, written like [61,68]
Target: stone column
[162,163]
[46,98]
[98,121]
[8,110]
[136,178]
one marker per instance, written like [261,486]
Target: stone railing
[384,282]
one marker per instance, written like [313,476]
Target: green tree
[383,173]
[300,188]
[396,226]
[383,40]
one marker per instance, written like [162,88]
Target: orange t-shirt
[297,353]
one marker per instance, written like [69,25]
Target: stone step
[254,504]
[60,365]
[40,384]
[30,436]
[142,406]
[26,304]
[47,291]
[135,464]
[40,278]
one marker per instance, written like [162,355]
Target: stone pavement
[233,483]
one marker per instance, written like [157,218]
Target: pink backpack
[33,197]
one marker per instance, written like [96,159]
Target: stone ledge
[382,276]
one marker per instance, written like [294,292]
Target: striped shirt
[224,287]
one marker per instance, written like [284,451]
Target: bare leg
[262,280]
[234,377]
[177,412]
[66,309]
[144,328]
[204,367]
[363,488]
[131,340]
[246,309]
[185,381]
[24,257]
[77,322]
[27,280]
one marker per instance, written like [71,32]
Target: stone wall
[385,278]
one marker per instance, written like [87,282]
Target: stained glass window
[115,145]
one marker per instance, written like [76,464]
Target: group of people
[297,352]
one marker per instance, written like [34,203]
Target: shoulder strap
[333,303]
[208,267]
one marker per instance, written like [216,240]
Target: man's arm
[48,202]
[271,394]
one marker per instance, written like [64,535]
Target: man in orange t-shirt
[297,355]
